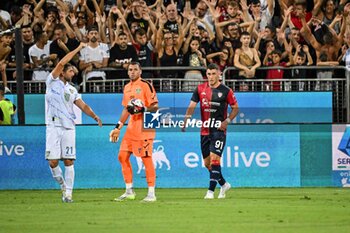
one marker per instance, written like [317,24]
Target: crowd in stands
[245,34]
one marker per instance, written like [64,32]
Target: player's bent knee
[68,162]
[53,163]
[215,162]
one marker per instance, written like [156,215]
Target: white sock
[57,175]
[151,190]
[128,187]
[69,175]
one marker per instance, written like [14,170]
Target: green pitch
[178,210]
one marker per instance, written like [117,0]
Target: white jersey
[89,54]
[40,54]
[60,99]
[266,15]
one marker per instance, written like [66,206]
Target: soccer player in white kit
[60,127]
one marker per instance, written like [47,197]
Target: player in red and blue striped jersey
[214,98]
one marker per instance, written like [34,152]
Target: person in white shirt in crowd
[94,56]
[40,56]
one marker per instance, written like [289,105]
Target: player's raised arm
[59,67]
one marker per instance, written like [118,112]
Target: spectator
[223,59]
[167,53]
[135,20]
[79,25]
[277,73]
[229,12]
[329,16]
[16,14]
[232,31]
[327,53]
[52,19]
[204,16]
[93,56]
[173,19]
[261,12]
[193,57]
[121,55]
[302,57]
[62,44]
[5,49]
[299,13]
[207,39]
[40,56]
[144,49]
[246,59]
[28,41]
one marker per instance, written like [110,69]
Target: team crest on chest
[66,96]
[71,91]
[220,94]
[138,90]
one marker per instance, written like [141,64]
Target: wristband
[118,124]
[228,120]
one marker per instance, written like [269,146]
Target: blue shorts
[214,142]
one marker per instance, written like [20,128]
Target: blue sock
[212,181]
[215,176]
[221,180]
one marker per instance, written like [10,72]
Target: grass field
[178,210]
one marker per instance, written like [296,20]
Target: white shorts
[60,143]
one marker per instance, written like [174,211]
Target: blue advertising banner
[255,107]
[251,158]
[341,155]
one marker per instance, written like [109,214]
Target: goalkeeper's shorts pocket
[142,148]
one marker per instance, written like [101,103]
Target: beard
[93,39]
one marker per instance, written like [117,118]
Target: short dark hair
[60,27]
[276,51]
[26,26]
[92,28]
[140,32]
[135,63]
[213,66]
[67,66]
[38,34]
[197,39]
[300,3]
[301,54]
[272,28]
[122,34]
[245,33]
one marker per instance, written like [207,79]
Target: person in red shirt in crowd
[275,57]
[300,10]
